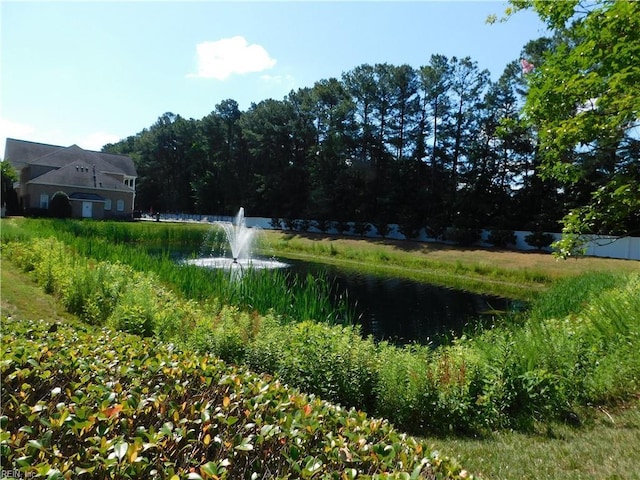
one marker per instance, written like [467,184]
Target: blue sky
[90,73]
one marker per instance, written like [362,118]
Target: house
[98,185]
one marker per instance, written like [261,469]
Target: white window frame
[44,200]
[120,205]
[107,204]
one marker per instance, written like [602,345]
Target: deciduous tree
[585,102]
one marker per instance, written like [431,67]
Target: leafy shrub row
[506,377]
[83,402]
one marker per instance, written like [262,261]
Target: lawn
[604,447]
[577,344]
[508,273]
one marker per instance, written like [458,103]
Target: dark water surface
[404,311]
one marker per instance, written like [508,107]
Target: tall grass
[569,295]
[578,348]
[159,248]
[490,279]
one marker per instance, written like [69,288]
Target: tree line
[437,146]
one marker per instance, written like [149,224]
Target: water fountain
[240,241]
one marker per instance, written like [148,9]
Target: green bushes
[335,363]
[85,402]
[576,346]
[228,334]
[463,236]
[501,238]
[539,239]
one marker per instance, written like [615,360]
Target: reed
[160,248]
[536,368]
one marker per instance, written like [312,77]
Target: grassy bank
[158,249]
[506,273]
[538,367]
[604,446]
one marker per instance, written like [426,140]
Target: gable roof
[123,162]
[23,152]
[66,156]
[80,174]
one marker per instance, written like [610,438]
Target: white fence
[598,246]
[625,247]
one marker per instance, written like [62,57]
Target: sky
[91,73]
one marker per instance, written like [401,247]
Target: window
[44,200]
[120,205]
[107,204]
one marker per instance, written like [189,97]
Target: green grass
[148,247]
[571,294]
[506,273]
[505,377]
[604,447]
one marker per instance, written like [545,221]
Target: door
[87,209]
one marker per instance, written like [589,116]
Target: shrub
[401,383]
[331,361]
[291,224]
[108,405]
[226,335]
[614,340]
[361,228]
[304,225]
[383,229]
[539,240]
[501,238]
[343,227]
[437,227]
[275,223]
[462,236]
[410,225]
[323,225]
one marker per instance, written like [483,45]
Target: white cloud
[227,56]
[95,141]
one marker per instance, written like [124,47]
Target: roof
[81,174]
[22,152]
[65,156]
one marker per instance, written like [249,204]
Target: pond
[404,311]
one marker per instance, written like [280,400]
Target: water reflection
[404,311]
